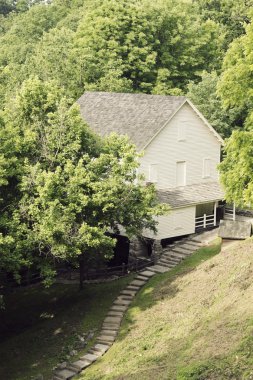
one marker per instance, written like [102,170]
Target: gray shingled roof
[140,116]
[191,194]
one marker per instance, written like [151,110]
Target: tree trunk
[81,271]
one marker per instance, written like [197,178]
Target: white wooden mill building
[181,153]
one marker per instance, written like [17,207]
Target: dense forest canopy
[50,53]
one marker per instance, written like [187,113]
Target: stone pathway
[172,255]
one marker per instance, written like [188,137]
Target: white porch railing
[205,221]
[229,212]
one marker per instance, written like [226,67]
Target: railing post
[214,213]
[234,211]
[204,220]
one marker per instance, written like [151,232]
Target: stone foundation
[157,250]
[139,248]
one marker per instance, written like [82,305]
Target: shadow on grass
[39,327]
[153,291]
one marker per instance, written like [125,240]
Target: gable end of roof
[202,117]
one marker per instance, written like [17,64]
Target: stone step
[121,302]
[101,341]
[182,250]
[147,273]
[128,292]
[89,357]
[169,266]
[110,326]
[141,278]
[159,269]
[137,283]
[93,352]
[78,365]
[114,314]
[133,288]
[191,246]
[106,338]
[193,241]
[109,332]
[175,255]
[118,308]
[170,259]
[126,297]
[109,320]
[167,261]
[187,248]
[101,348]
[64,374]
[197,239]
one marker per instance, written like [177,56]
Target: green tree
[231,15]
[56,58]
[237,169]
[6,6]
[236,83]
[19,42]
[235,89]
[68,188]
[146,44]
[204,96]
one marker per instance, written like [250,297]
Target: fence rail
[205,221]
[7,280]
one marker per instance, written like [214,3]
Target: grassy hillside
[193,323]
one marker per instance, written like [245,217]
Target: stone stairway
[172,255]
[110,328]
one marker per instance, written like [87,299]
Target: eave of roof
[190,195]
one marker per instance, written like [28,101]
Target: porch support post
[214,213]
[204,220]
[234,211]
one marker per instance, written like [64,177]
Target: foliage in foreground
[62,188]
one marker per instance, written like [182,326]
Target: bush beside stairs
[171,256]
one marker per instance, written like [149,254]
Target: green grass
[39,326]
[237,365]
[126,348]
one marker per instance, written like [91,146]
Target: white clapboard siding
[178,222]
[185,138]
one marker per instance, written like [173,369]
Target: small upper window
[153,172]
[181,131]
[207,167]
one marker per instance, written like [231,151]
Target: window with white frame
[181,131]
[153,172]
[207,167]
[180,173]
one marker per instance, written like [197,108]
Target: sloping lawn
[193,323]
[40,327]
